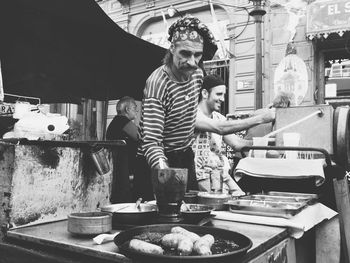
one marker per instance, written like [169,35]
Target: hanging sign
[326,17]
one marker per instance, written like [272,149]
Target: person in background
[170,104]
[212,129]
[123,127]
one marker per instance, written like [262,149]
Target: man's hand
[267,115]
[162,164]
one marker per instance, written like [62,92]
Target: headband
[192,29]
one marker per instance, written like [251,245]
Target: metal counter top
[55,235]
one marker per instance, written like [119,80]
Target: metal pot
[129,214]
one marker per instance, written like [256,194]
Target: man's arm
[235,142]
[131,130]
[153,125]
[223,127]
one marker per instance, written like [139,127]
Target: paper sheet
[297,225]
[282,168]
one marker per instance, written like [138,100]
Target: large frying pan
[121,240]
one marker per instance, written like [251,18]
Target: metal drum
[341,136]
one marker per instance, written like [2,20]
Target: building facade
[320,47]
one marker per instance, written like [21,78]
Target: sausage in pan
[183,244]
[145,247]
[202,246]
[193,236]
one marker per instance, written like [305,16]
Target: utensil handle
[187,207]
[103,238]
[294,123]
[110,237]
[138,202]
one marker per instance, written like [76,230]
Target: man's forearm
[231,126]
[224,127]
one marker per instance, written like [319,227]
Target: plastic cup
[216,181]
[260,141]
[291,139]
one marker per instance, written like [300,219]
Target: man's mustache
[190,68]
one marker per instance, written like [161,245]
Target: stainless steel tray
[279,197]
[290,194]
[266,208]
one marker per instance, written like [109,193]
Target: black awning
[65,50]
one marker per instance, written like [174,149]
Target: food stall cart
[51,242]
[40,187]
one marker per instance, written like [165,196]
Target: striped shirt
[168,114]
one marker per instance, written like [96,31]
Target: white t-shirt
[209,150]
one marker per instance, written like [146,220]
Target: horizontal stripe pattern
[168,114]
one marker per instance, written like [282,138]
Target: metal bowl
[196,213]
[216,200]
[89,223]
[128,214]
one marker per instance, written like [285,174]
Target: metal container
[216,200]
[89,223]
[281,197]
[129,214]
[298,197]
[191,197]
[266,208]
[100,160]
[195,213]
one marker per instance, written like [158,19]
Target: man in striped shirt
[170,104]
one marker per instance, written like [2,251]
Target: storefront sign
[6,109]
[325,17]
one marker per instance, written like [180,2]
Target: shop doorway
[333,76]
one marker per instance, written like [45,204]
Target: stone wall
[41,184]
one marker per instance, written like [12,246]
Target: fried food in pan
[145,247]
[172,240]
[193,236]
[180,242]
[185,246]
[202,246]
